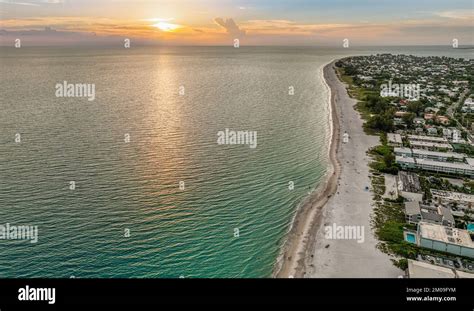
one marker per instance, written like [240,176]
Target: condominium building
[445,239]
[432,139]
[427,145]
[456,168]
[431,155]
[429,142]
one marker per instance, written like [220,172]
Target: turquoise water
[409,237]
[173,138]
[135,186]
[470,227]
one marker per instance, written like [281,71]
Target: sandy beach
[342,200]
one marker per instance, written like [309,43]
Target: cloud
[31,2]
[230,26]
[457,14]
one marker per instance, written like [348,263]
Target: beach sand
[342,200]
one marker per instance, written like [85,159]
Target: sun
[166,26]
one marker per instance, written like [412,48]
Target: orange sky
[209,22]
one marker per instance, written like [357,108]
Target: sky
[253,22]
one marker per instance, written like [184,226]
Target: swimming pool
[470,227]
[410,237]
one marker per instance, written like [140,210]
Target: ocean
[134,183]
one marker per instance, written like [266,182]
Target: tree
[375,103]
[408,119]
[383,122]
[415,107]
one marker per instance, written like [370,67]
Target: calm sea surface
[134,187]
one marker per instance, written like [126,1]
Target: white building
[445,239]
[432,155]
[456,168]
[394,139]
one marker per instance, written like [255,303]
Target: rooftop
[459,156]
[394,138]
[454,196]
[454,165]
[412,207]
[430,144]
[419,269]
[445,234]
[408,182]
[404,159]
[455,155]
[427,138]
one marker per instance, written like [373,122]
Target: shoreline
[343,198]
[308,217]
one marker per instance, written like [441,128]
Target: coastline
[308,216]
[338,200]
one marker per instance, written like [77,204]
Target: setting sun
[166,26]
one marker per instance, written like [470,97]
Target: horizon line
[141,44]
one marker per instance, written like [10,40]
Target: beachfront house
[416,211]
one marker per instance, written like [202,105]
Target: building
[445,239]
[429,142]
[455,168]
[419,269]
[461,201]
[432,155]
[432,131]
[394,139]
[427,138]
[457,137]
[468,105]
[415,211]
[443,120]
[408,186]
[430,145]
[447,133]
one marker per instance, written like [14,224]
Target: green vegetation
[430,181]
[381,122]
[463,148]
[388,222]
[416,107]
[384,159]
[364,79]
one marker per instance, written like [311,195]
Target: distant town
[422,172]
